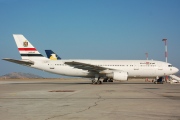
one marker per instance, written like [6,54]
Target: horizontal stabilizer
[21,62]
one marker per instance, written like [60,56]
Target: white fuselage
[107,69]
[134,68]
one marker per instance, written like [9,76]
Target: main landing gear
[97,81]
[108,80]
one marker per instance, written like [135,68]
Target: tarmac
[78,99]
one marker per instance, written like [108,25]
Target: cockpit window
[169,65]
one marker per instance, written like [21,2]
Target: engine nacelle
[118,75]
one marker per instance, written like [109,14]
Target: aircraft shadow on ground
[80,83]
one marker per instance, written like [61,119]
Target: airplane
[99,70]
[52,55]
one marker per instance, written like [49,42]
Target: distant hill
[19,75]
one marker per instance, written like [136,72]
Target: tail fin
[26,49]
[52,55]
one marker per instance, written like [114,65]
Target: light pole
[147,59]
[166,53]
[146,56]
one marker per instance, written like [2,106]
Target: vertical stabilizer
[52,55]
[26,49]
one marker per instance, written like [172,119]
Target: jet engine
[118,75]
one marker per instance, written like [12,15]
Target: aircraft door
[160,67]
[136,67]
[136,70]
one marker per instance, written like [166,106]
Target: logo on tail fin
[53,57]
[25,43]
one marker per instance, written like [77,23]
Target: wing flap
[86,66]
[21,62]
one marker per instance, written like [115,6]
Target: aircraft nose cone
[176,70]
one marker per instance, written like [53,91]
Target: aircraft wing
[86,66]
[21,62]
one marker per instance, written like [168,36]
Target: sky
[90,29]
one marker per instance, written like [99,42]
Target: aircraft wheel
[111,80]
[94,82]
[104,80]
[99,82]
